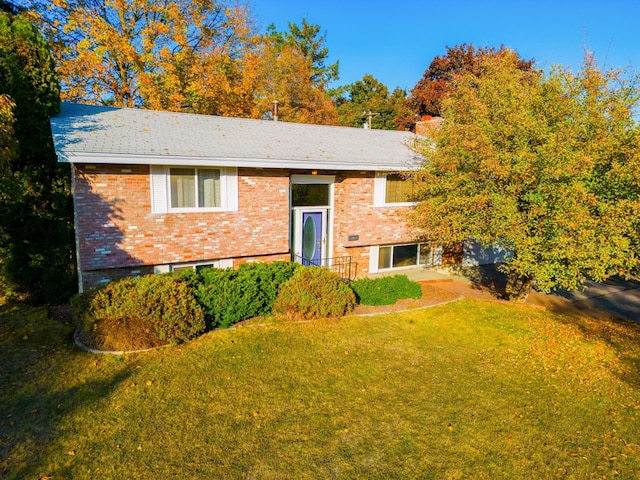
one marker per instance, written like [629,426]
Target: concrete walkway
[427,274]
[618,298]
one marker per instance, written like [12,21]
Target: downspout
[75,228]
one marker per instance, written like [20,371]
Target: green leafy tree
[370,97]
[311,44]
[548,166]
[36,215]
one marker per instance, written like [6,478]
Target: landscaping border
[82,346]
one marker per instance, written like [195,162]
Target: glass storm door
[312,237]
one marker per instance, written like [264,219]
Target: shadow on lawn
[484,277]
[37,358]
[622,335]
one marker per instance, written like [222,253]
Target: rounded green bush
[314,292]
[385,290]
[162,306]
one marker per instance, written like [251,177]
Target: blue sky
[396,41]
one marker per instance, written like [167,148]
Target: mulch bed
[433,293]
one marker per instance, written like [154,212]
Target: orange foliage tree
[161,54]
[427,96]
[283,73]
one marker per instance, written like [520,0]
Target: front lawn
[467,390]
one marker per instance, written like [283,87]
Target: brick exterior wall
[118,235]
[95,278]
[116,228]
[355,214]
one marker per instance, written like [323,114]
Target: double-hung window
[399,188]
[394,189]
[193,189]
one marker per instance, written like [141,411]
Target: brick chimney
[427,123]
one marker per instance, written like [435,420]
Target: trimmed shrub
[314,292]
[230,296]
[159,308]
[385,290]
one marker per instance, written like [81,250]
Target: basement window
[408,255]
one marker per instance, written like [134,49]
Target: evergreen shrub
[385,290]
[230,296]
[314,292]
[157,309]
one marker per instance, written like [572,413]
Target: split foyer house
[161,191]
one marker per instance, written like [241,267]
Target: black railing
[344,267]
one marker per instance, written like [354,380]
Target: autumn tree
[7,137]
[427,96]
[289,67]
[161,54]
[306,38]
[370,97]
[284,74]
[36,214]
[547,166]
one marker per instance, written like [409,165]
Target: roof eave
[310,164]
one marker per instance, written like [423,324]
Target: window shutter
[379,188]
[159,197]
[373,258]
[231,179]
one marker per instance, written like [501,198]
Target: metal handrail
[344,267]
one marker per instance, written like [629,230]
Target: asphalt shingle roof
[95,134]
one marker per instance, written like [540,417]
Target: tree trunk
[518,287]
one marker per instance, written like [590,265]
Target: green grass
[466,390]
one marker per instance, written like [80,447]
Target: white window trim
[328,227]
[313,179]
[374,254]
[380,192]
[224,263]
[161,190]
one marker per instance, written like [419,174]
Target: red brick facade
[355,214]
[118,235]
